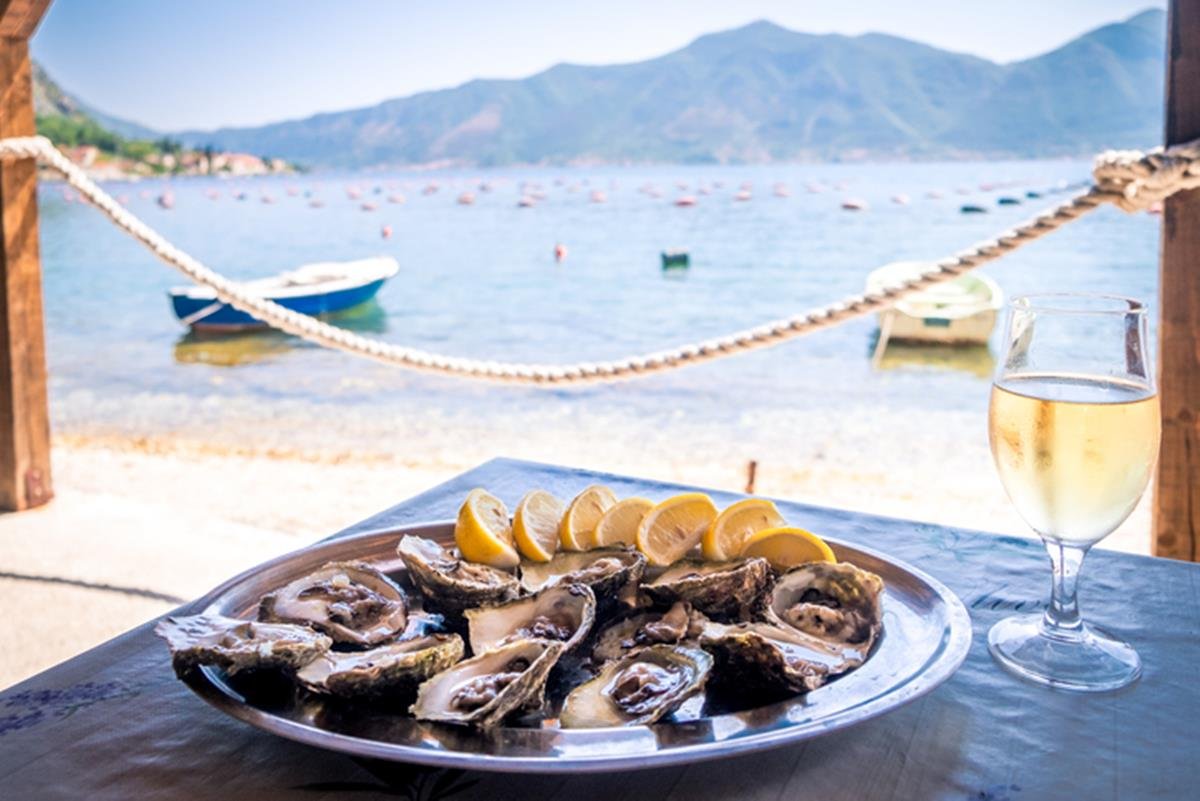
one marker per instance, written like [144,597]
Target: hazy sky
[173,64]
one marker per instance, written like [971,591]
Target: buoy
[743,195]
[560,252]
[213,194]
[292,191]
[266,198]
[854,204]
[900,199]
[598,196]
[240,194]
[396,198]
[386,232]
[781,190]
[167,199]
[526,202]
[1008,201]
[368,206]
[430,188]
[352,193]
[971,208]
[685,201]
[316,203]
[466,198]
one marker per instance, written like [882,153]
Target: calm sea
[481,281]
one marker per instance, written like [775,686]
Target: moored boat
[958,312]
[321,288]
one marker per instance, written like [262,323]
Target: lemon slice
[585,511]
[673,528]
[787,546]
[482,531]
[735,525]
[620,523]
[535,525]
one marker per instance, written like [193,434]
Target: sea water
[481,281]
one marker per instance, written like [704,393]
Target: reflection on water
[976,360]
[235,348]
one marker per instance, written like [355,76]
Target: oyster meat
[563,612]
[839,604]
[450,583]
[487,688]
[638,689]
[385,669]
[775,657]
[352,602]
[678,625]
[234,645]
[608,571]
[721,590]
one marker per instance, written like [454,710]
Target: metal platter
[926,635]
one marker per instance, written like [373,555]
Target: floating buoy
[213,194]
[368,206]
[854,204]
[266,198]
[743,195]
[526,202]
[560,252]
[484,186]
[466,198]
[1033,195]
[292,191]
[781,190]
[900,199]
[240,195]
[675,260]
[685,201]
[123,200]
[386,232]
[598,196]
[396,198]
[430,188]
[971,208]
[353,193]
[1008,201]
[316,203]
[167,199]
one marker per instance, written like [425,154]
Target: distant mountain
[759,93]
[50,100]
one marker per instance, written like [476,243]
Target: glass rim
[1061,303]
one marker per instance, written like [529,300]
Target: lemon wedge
[535,525]
[673,527]
[620,523]
[735,525]
[786,546]
[579,523]
[482,531]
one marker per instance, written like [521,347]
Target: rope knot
[1136,181]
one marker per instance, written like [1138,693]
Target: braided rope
[1131,180]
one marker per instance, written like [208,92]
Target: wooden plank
[1177,486]
[24,414]
[20,18]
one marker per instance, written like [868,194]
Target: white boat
[958,312]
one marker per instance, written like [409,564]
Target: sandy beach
[139,524]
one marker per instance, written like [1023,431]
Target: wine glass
[1074,428]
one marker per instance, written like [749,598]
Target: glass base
[1089,660]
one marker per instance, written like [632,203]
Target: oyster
[485,689]
[837,603]
[764,655]
[563,612]
[638,689]
[351,602]
[451,583]
[384,669]
[721,590]
[608,571]
[678,625]
[234,645]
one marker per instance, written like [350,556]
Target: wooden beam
[1177,486]
[20,18]
[24,414]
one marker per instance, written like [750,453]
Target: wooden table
[114,722]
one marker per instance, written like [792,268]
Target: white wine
[1074,452]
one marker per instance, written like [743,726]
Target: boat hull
[973,329]
[227,318]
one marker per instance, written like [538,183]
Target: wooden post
[1177,485]
[24,412]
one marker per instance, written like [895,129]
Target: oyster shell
[450,583]
[721,590]
[764,655]
[837,603]
[234,645]
[485,689]
[563,612]
[351,602]
[384,669]
[638,689]
[608,571]
[679,625]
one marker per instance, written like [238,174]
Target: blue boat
[314,289]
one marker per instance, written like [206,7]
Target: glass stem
[1062,617]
